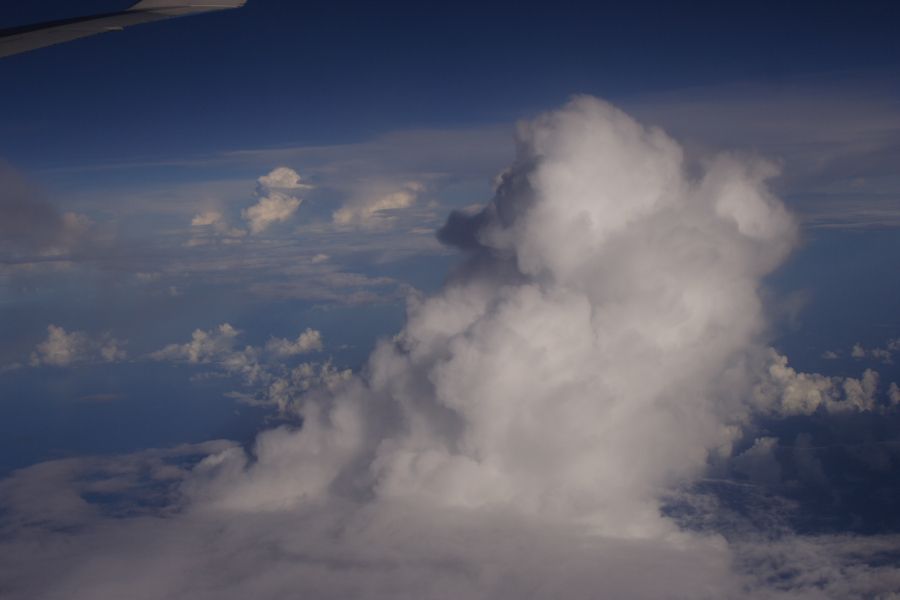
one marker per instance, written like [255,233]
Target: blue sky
[284,73]
[183,201]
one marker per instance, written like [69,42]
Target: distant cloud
[204,347]
[277,200]
[375,210]
[31,227]
[308,341]
[283,178]
[785,391]
[274,208]
[264,371]
[216,222]
[62,349]
[210,217]
[884,354]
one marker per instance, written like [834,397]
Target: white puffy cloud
[283,178]
[210,226]
[882,354]
[209,217]
[111,350]
[894,393]
[277,199]
[783,390]
[63,348]
[308,341]
[263,370]
[758,462]
[277,202]
[370,211]
[60,349]
[271,209]
[204,347]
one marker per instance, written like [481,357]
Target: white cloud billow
[283,178]
[277,199]
[612,299]
[204,347]
[605,337]
[784,391]
[377,209]
[308,341]
[275,383]
[63,348]
[883,354]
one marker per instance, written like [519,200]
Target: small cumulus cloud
[210,217]
[283,178]
[883,354]
[783,390]
[269,380]
[308,341]
[204,346]
[211,225]
[370,211]
[62,349]
[277,199]
[271,209]
[276,202]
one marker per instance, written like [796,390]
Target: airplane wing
[31,37]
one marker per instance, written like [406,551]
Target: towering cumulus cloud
[599,344]
[582,361]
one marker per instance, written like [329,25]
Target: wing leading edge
[31,37]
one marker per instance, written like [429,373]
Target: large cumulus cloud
[588,356]
[602,343]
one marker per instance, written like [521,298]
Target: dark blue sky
[312,72]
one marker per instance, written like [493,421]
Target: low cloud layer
[524,435]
